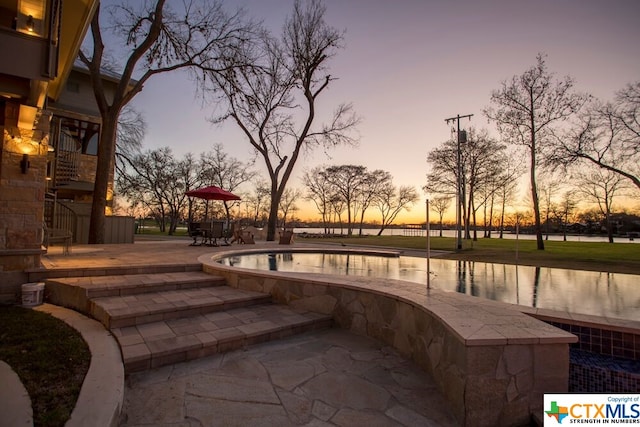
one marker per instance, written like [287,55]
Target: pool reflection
[574,291]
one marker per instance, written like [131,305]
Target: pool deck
[327,377]
[321,367]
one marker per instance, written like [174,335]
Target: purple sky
[408,65]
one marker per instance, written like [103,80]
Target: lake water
[452,233]
[574,291]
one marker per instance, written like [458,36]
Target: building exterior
[39,41]
[72,160]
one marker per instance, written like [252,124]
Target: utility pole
[462,138]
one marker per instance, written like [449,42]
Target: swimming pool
[610,295]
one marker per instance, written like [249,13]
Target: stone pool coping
[491,361]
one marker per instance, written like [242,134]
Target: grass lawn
[596,256]
[49,356]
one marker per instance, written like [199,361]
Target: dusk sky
[409,64]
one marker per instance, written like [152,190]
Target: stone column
[22,189]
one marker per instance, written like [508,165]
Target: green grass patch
[50,357]
[155,231]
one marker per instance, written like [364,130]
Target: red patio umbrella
[212,193]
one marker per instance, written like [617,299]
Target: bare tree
[391,200]
[548,187]
[440,205]
[608,136]
[219,169]
[442,178]
[370,187]
[527,106]
[288,204]
[258,202]
[338,206]
[507,187]
[275,101]
[320,192]
[564,210]
[483,159]
[160,39]
[346,181]
[129,135]
[601,186]
[157,180]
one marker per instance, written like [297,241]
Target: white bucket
[32,294]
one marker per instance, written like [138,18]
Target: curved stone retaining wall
[491,362]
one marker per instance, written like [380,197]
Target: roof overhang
[77,16]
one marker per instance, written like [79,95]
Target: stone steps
[76,292]
[42,274]
[130,310]
[169,317]
[151,345]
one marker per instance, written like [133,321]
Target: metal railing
[59,216]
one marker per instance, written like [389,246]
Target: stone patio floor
[323,378]
[326,378]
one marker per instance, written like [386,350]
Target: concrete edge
[102,394]
[15,403]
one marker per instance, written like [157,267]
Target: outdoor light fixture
[49,177]
[24,163]
[30,24]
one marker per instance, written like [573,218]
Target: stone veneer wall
[488,379]
[21,212]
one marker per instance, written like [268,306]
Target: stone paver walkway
[324,378]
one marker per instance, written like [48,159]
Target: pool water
[609,295]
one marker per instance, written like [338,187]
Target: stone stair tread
[164,342]
[127,310]
[98,286]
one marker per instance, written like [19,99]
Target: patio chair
[195,231]
[233,233]
[214,232]
[247,238]
[286,237]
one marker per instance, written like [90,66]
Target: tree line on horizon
[155,183]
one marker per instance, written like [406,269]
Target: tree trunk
[272,223]
[276,196]
[484,220]
[467,215]
[534,197]
[361,223]
[491,215]
[106,152]
[548,222]
[502,216]
[475,224]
